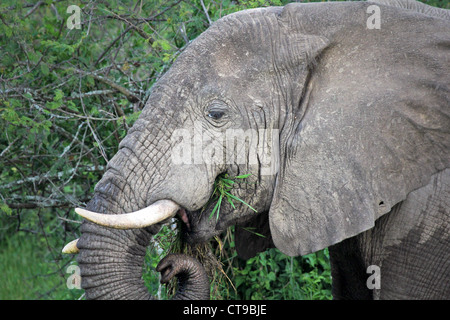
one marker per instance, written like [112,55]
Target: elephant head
[326,117]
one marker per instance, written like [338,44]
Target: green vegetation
[67,98]
[273,275]
[30,271]
[222,190]
[270,275]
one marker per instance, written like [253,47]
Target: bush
[271,275]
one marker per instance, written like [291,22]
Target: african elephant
[343,126]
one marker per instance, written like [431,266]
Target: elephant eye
[216,115]
[217,112]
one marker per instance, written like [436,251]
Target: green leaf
[243,176]
[231,202]
[165,45]
[59,94]
[236,198]
[218,209]
[132,117]
[228,181]
[34,56]
[6,209]
[71,105]
[215,207]
[250,229]
[44,69]
[53,105]
[90,80]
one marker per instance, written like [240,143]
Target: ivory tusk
[71,247]
[153,214]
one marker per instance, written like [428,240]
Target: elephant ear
[351,152]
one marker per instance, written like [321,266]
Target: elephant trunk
[193,283]
[111,262]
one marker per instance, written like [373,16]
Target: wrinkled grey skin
[193,283]
[364,147]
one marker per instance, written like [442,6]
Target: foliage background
[67,98]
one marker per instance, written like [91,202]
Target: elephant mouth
[181,213]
